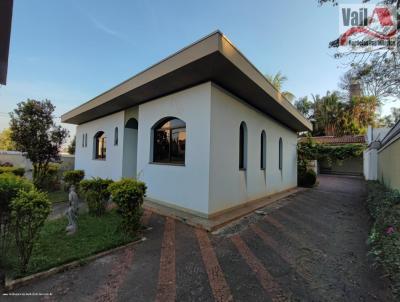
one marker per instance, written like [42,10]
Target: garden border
[12,284]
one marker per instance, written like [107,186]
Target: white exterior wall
[111,167]
[370,157]
[210,180]
[228,185]
[180,186]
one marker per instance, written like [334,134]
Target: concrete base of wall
[218,220]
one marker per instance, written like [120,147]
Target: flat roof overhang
[213,58]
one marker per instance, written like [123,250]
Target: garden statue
[72,212]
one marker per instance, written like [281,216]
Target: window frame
[158,127]
[100,136]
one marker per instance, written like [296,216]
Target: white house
[203,128]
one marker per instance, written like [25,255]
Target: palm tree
[277,81]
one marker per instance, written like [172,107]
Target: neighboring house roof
[213,58]
[336,140]
[6,7]
[392,136]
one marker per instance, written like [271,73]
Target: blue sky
[69,51]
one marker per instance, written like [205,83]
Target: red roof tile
[337,140]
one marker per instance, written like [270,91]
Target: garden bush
[10,185]
[6,164]
[13,170]
[50,181]
[384,239]
[73,177]
[29,211]
[307,179]
[95,192]
[128,194]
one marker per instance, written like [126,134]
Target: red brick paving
[272,259]
[216,277]
[146,217]
[166,290]
[266,280]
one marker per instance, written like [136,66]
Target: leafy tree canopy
[5,140]
[35,133]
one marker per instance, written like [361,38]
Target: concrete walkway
[308,247]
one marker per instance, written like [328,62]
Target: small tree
[10,185]
[35,133]
[29,211]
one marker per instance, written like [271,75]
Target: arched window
[263,150]
[100,147]
[116,136]
[169,141]
[280,153]
[243,146]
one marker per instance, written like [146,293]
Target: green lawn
[54,247]
[58,196]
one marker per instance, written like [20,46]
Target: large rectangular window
[169,141]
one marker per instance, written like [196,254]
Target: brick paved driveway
[309,247]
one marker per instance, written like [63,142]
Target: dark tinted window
[242,146]
[116,136]
[263,150]
[169,141]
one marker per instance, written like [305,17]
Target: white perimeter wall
[228,185]
[111,167]
[181,186]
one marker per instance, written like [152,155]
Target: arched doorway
[129,163]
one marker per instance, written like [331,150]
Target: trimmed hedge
[95,191]
[307,179]
[73,177]
[128,194]
[384,207]
[13,170]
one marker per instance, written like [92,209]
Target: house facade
[203,129]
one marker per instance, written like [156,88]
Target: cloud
[104,28]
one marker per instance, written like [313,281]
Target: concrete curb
[12,284]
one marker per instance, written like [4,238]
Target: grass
[54,247]
[58,196]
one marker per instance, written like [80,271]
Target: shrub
[307,179]
[50,180]
[29,211]
[13,170]
[96,194]
[384,239]
[10,185]
[6,164]
[128,194]
[73,177]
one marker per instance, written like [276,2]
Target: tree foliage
[391,119]
[72,145]
[35,133]
[6,142]
[334,116]
[277,81]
